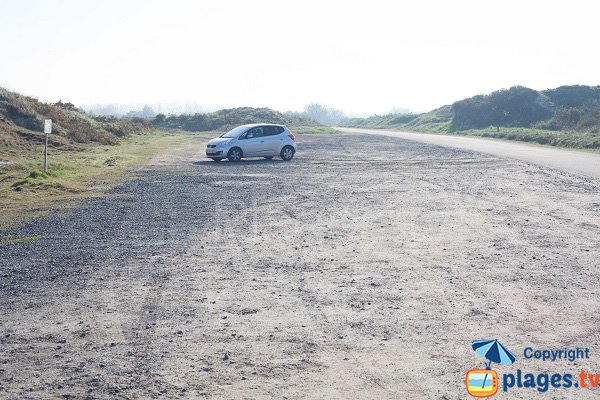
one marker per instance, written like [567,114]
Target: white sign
[48,126]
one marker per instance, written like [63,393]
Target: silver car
[254,140]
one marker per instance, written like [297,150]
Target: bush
[37,174]
[517,106]
[227,118]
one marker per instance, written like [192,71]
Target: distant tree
[65,106]
[567,117]
[322,115]
[106,109]
[316,112]
[159,119]
[590,121]
[145,112]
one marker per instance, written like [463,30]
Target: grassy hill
[228,118]
[567,116]
[22,119]
[381,121]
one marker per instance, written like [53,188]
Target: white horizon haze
[357,56]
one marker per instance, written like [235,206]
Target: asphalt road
[345,273]
[577,162]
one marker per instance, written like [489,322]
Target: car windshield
[235,132]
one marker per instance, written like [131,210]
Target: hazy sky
[359,56]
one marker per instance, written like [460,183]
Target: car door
[253,142]
[273,139]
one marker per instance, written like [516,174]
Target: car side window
[254,132]
[272,130]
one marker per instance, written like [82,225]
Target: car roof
[252,125]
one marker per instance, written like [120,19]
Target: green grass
[429,127]
[576,140]
[572,140]
[74,171]
[10,240]
[311,129]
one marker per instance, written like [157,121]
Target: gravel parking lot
[361,269]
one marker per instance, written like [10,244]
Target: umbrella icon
[493,351]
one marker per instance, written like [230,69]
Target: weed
[9,241]
[37,174]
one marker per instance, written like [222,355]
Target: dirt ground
[578,162]
[362,269]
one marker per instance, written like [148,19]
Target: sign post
[47,130]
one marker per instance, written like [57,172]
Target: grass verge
[14,240]
[563,139]
[574,140]
[74,172]
[312,129]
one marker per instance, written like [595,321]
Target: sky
[362,57]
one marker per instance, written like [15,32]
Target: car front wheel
[287,153]
[234,154]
